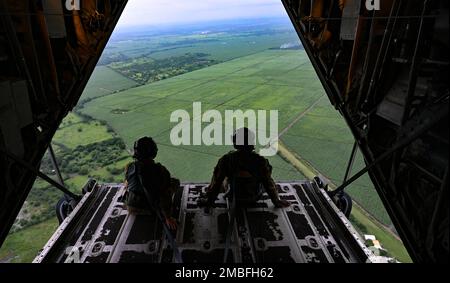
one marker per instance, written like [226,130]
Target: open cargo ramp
[311,230]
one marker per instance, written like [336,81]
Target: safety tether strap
[176,251]
[231,223]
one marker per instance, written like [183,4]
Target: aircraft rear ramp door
[312,230]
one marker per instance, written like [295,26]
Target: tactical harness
[232,189]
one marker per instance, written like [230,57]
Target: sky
[153,12]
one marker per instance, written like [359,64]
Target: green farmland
[222,43]
[253,82]
[323,139]
[22,246]
[105,81]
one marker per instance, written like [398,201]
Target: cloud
[151,12]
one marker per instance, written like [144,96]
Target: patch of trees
[80,161]
[156,70]
[115,171]
[86,158]
[89,157]
[41,206]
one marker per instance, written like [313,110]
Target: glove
[280,203]
[171,223]
[204,202]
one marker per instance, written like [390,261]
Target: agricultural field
[75,132]
[147,57]
[22,246]
[323,139]
[253,82]
[104,81]
[221,41]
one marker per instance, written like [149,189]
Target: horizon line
[168,24]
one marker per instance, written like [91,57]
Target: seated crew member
[145,174]
[249,170]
